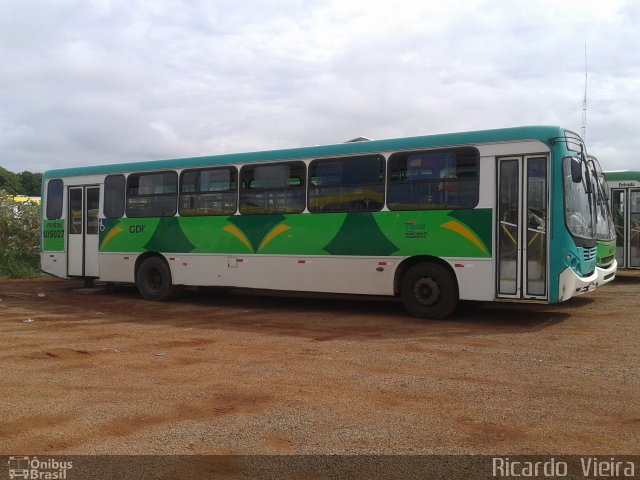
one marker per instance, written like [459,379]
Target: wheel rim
[426,291]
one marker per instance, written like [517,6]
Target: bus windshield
[604,222]
[580,211]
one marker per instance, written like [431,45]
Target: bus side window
[114,190]
[55,189]
[351,184]
[152,194]
[208,191]
[429,180]
[273,188]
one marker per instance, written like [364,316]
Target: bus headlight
[572,261]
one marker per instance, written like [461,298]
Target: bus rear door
[82,255]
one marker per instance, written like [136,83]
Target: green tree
[9,182]
[30,183]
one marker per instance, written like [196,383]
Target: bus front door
[82,255]
[634,228]
[521,223]
[625,208]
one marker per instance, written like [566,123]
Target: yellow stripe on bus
[239,235]
[466,233]
[272,234]
[114,231]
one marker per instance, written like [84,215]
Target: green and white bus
[506,214]
[624,191]
[606,263]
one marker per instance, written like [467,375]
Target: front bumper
[571,284]
[605,275]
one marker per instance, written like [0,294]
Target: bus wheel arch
[428,287]
[153,277]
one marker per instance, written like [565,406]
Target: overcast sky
[86,82]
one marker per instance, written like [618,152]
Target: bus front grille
[606,261]
[590,254]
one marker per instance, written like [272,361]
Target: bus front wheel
[154,279]
[429,290]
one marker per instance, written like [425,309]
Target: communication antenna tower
[584,101]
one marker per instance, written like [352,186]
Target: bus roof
[542,133]
[621,175]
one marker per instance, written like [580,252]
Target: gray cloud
[112,81]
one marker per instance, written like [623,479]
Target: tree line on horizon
[23,183]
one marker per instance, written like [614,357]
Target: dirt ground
[261,373]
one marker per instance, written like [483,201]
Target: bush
[19,238]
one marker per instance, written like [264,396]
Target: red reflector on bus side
[301,261]
[172,258]
[184,264]
[239,260]
[126,258]
[459,265]
[382,263]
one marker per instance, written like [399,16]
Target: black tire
[154,279]
[429,290]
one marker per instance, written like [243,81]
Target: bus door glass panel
[75,219]
[536,227]
[93,199]
[508,227]
[522,227]
[618,212]
[92,203]
[634,228]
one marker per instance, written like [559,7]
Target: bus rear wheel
[429,290]
[154,279]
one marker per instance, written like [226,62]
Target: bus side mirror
[576,170]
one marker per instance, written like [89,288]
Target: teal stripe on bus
[541,133]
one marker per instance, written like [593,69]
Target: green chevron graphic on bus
[455,233]
[256,232]
[360,226]
[169,237]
